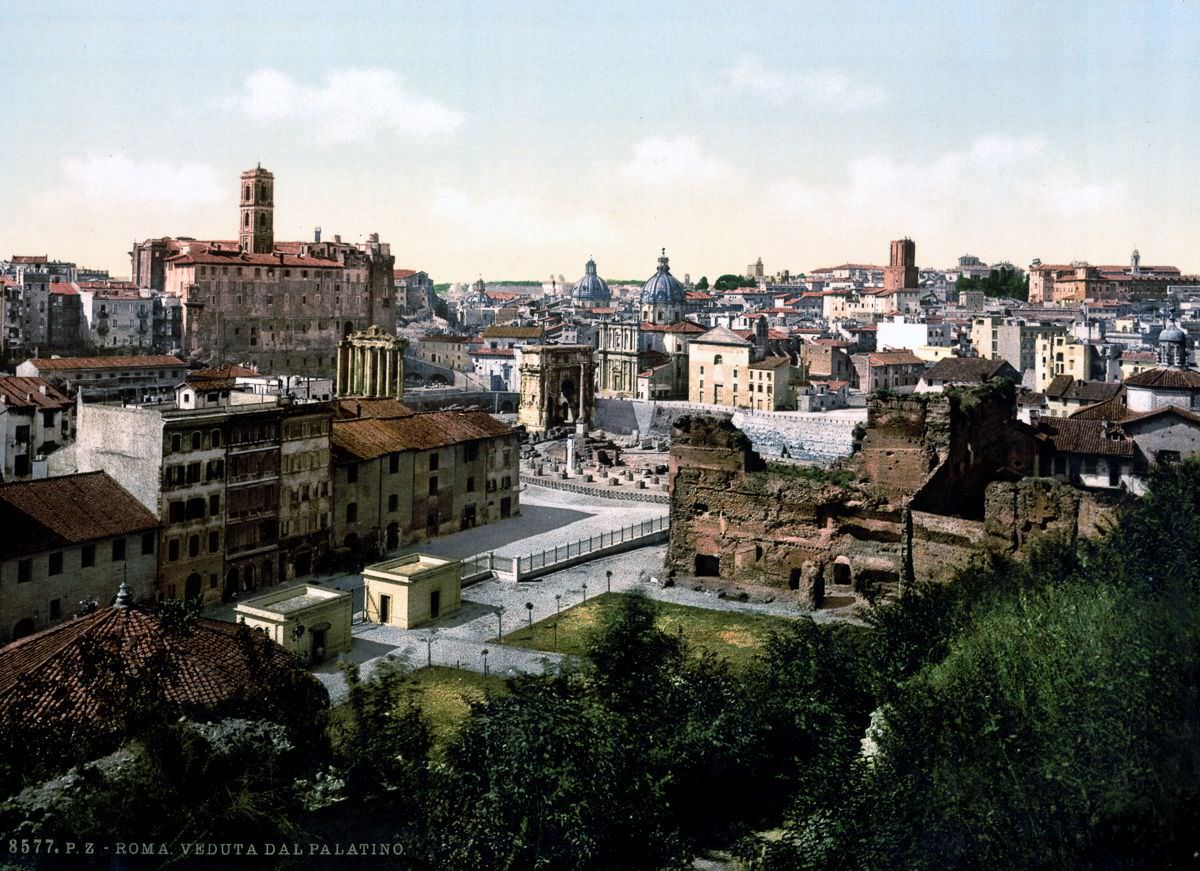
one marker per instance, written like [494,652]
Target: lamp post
[557,605]
[500,623]
[608,579]
[529,611]
[429,650]
[585,591]
[484,653]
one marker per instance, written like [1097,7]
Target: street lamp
[529,611]
[557,604]
[429,650]
[608,579]
[485,665]
[500,622]
[585,591]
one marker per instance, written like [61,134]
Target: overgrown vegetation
[834,475]
[1007,281]
[1040,713]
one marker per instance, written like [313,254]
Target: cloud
[662,161]
[351,104]
[105,181]
[828,88]
[507,217]
[992,177]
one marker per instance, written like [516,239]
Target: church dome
[1172,334]
[591,288]
[663,288]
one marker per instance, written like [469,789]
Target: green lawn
[445,695]
[736,636]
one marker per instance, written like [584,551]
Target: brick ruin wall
[736,517]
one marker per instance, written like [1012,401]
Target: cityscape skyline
[516,143]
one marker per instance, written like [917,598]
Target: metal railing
[572,550]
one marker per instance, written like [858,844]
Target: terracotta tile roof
[28,258]
[372,408]
[770,363]
[1166,379]
[375,437]
[64,288]
[445,340]
[150,361]
[894,358]
[512,332]
[50,513]
[218,372]
[403,273]
[1139,357]
[1033,399]
[18,392]
[1131,419]
[975,370]
[492,352]
[1109,409]
[1066,388]
[51,680]
[722,336]
[1074,436]
[679,327]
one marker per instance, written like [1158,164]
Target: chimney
[317,234]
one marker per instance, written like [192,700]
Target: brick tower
[256,230]
[901,271]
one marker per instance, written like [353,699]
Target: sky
[516,139]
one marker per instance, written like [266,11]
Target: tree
[1007,281]
[702,284]
[730,281]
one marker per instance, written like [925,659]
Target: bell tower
[256,228]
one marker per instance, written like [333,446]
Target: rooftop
[150,361]
[369,438]
[51,513]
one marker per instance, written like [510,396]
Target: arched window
[717,360]
[196,441]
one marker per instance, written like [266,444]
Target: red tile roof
[18,392]
[28,258]
[894,358]
[492,352]
[770,363]
[1166,379]
[50,513]
[52,680]
[370,438]
[150,361]
[495,332]
[403,273]
[376,408]
[63,288]
[1081,436]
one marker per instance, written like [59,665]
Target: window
[193,473]
[24,571]
[87,556]
[193,546]
[177,511]
[214,541]
[393,502]
[393,463]
[55,609]
[717,360]
[471,451]
[56,561]
[195,508]
[147,543]
[433,488]
[173,549]
[118,550]
[352,473]
[352,512]
[22,433]
[216,438]
[470,485]
[196,439]
[176,443]
[214,504]
[433,462]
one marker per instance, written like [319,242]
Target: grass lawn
[733,635]
[445,695]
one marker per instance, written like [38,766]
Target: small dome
[663,288]
[591,288]
[1172,334]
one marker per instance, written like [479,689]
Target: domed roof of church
[1172,333]
[663,287]
[591,288]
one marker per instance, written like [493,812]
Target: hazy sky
[515,139]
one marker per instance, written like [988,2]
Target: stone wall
[799,435]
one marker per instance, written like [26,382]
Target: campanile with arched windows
[256,226]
